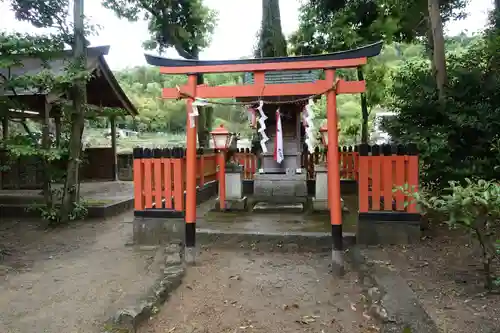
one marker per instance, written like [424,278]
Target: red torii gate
[332,86]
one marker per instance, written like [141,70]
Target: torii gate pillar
[334,176]
[190,216]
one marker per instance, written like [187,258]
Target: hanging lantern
[221,138]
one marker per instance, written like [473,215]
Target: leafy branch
[473,206]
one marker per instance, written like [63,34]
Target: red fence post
[376,178]
[356,162]
[157,176]
[343,162]
[147,163]
[201,169]
[177,164]
[412,175]
[399,175]
[212,169]
[167,177]
[253,164]
[138,174]
[246,165]
[364,172]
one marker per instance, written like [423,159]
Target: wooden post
[138,154]
[113,146]
[190,216]
[222,179]
[202,168]
[5,127]
[46,143]
[334,176]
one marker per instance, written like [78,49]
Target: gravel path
[262,292]
[70,279]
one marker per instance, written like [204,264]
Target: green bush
[458,140]
[474,207]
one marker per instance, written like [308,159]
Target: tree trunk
[364,110]
[47,188]
[201,128]
[439,58]
[272,42]
[203,131]
[79,97]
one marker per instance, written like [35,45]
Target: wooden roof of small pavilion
[103,89]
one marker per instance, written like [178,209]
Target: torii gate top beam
[342,59]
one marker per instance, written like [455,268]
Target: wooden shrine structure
[330,85]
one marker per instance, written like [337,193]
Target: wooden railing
[382,169]
[160,177]
[348,159]
[249,162]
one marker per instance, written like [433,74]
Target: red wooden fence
[159,175]
[381,170]
[348,162]
[348,159]
[249,162]
[160,179]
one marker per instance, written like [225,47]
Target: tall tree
[79,98]
[54,14]
[272,42]
[439,58]
[328,26]
[186,26]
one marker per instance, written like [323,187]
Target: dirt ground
[445,272]
[70,279]
[237,291]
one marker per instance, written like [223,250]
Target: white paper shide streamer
[262,128]
[308,117]
[278,144]
[194,110]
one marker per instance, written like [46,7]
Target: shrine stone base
[232,205]
[388,228]
[273,186]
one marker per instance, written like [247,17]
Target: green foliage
[41,14]
[14,49]
[335,25]
[473,205]
[185,25]
[457,141]
[52,214]
[144,86]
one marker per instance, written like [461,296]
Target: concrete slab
[267,222]
[270,241]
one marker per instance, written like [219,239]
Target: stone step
[269,207]
[279,199]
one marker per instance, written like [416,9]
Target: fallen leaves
[306,320]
